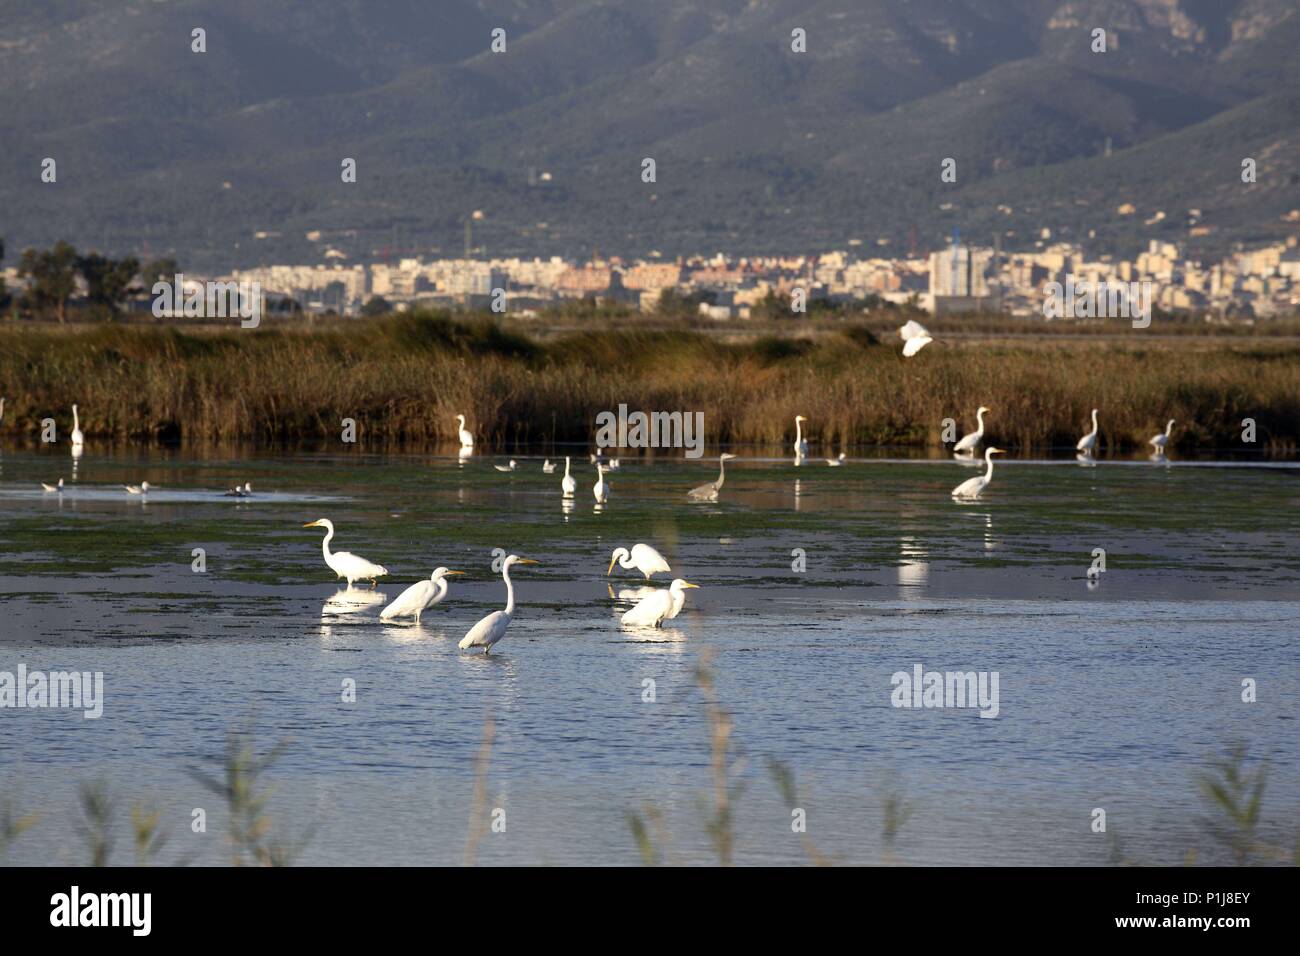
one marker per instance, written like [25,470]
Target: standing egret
[509,467]
[568,484]
[664,605]
[466,436]
[1089,441]
[836,462]
[548,467]
[493,627]
[78,439]
[974,487]
[1161,440]
[419,597]
[344,563]
[915,337]
[643,557]
[50,489]
[709,491]
[968,442]
[800,443]
[601,488]
[140,489]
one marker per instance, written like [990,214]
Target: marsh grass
[404,378]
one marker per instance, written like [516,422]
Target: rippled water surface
[1113,694]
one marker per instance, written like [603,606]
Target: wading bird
[50,489]
[568,485]
[344,563]
[1089,441]
[509,467]
[548,467]
[492,628]
[915,337]
[800,443]
[140,489]
[78,439]
[661,606]
[974,487]
[968,442]
[601,488]
[419,597]
[709,491]
[1162,440]
[466,436]
[642,557]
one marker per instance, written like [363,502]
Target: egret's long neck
[440,588]
[798,431]
[980,417]
[510,590]
[722,470]
[76,422]
[988,457]
[325,544]
[626,561]
[566,468]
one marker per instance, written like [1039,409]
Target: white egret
[419,597]
[492,628]
[661,606]
[509,467]
[2,409]
[601,488]
[568,484]
[50,489]
[642,557]
[1162,440]
[1089,441]
[709,491]
[915,337]
[140,489]
[344,563]
[974,487]
[466,436]
[800,443]
[968,442]
[836,462]
[78,439]
[548,467]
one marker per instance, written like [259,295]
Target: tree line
[57,275]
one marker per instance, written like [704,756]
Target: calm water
[1111,696]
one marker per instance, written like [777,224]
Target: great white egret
[419,597]
[548,467]
[568,484]
[836,462]
[643,557]
[800,443]
[915,337]
[492,628]
[601,488]
[709,491]
[663,605]
[1162,440]
[140,489]
[968,442]
[344,563]
[974,487]
[78,439]
[50,489]
[509,467]
[1089,441]
[466,436]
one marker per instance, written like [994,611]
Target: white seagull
[509,467]
[140,489]
[50,489]
[548,467]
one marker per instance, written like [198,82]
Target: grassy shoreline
[404,378]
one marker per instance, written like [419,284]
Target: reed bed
[402,379]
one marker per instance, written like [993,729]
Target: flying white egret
[50,489]
[661,606]
[1162,440]
[140,489]
[601,488]
[492,628]
[78,439]
[974,487]
[568,484]
[1089,441]
[915,337]
[643,557]
[836,462]
[968,442]
[800,443]
[344,563]
[709,491]
[419,597]
[548,467]
[466,436]
[509,467]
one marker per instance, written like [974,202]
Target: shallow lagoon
[1113,696]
